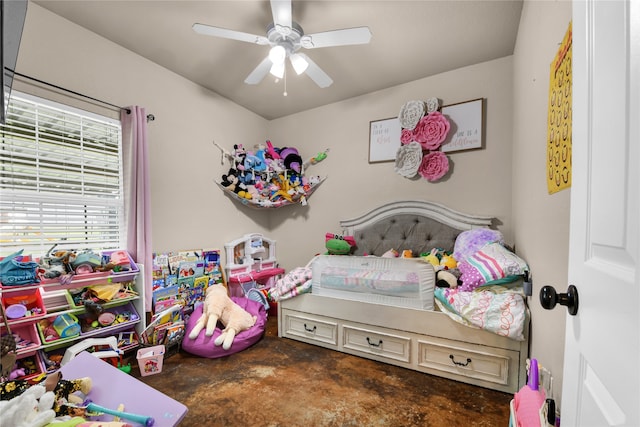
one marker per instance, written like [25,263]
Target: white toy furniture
[251,263]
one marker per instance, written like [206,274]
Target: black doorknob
[549,298]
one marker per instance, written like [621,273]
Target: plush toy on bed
[449,278]
[339,245]
[218,306]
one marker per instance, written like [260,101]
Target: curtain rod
[150,117]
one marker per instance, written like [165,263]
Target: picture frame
[466,119]
[384,140]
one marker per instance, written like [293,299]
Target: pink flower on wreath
[431,130]
[434,166]
[406,136]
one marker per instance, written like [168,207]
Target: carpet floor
[279,382]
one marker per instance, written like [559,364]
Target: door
[602,355]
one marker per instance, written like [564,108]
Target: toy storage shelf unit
[251,263]
[50,304]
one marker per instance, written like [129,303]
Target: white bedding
[390,281]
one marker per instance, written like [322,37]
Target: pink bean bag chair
[203,345]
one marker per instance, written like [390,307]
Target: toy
[448,278]
[255,162]
[339,245]
[218,306]
[230,180]
[317,159]
[291,159]
[391,253]
[32,408]
[448,262]
[407,253]
[81,422]
[90,409]
[432,258]
[63,391]
[271,152]
[239,154]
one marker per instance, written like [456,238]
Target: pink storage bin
[150,360]
[32,364]
[29,339]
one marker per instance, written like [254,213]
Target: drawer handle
[459,363]
[374,344]
[309,329]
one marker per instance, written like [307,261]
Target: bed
[416,329]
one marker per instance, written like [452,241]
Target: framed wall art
[384,140]
[466,120]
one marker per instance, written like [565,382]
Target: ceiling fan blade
[348,36]
[316,74]
[259,72]
[281,10]
[209,30]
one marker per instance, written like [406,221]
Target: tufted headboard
[416,225]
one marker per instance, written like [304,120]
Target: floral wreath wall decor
[423,130]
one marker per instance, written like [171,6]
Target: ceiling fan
[286,37]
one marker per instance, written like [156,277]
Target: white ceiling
[411,40]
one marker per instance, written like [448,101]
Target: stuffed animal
[239,154]
[291,159]
[231,181]
[32,408]
[218,306]
[391,253]
[64,389]
[448,262]
[432,257]
[339,245]
[448,278]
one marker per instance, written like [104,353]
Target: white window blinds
[60,179]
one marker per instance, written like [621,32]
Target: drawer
[468,360]
[310,328]
[386,345]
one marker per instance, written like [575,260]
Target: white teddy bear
[33,408]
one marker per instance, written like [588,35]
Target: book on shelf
[191,268]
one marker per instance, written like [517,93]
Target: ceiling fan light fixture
[277,54]
[277,69]
[299,63]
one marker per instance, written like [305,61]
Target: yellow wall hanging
[559,119]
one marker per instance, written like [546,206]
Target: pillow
[490,263]
[470,241]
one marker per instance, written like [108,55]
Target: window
[60,179]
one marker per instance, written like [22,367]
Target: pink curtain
[137,192]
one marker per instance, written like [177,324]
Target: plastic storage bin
[150,360]
[29,339]
[66,325]
[31,365]
[30,298]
